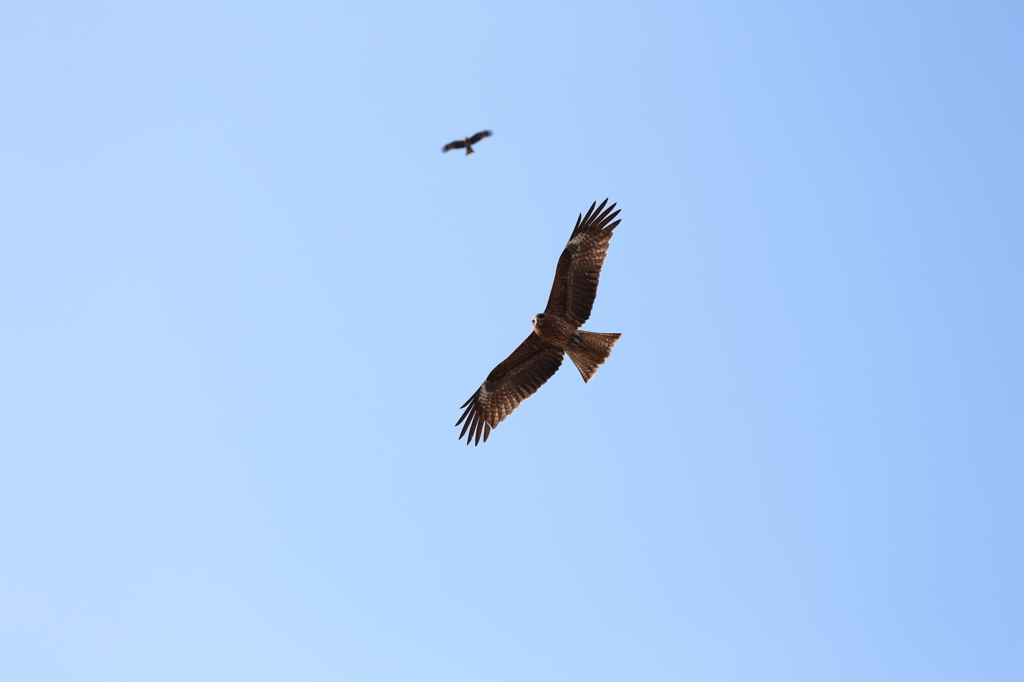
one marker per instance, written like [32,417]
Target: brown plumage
[467,142]
[555,331]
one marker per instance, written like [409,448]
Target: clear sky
[243,294]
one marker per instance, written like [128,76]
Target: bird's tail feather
[593,350]
[469,150]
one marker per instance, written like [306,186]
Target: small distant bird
[555,331]
[467,142]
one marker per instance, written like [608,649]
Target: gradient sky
[243,294]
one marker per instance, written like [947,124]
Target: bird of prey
[555,331]
[467,142]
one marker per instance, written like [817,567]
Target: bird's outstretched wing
[579,267]
[457,144]
[510,383]
[479,136]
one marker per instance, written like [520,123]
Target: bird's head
[537,318]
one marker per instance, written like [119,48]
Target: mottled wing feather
[479,136]
[510,383]
[579,267]
[457,144]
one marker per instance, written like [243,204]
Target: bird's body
[556,331]
[467,142]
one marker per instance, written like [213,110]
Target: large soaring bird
[555,331]
[467,142]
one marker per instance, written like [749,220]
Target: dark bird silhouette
[467,142]
[555,331]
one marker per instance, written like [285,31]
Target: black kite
[467,142]
[555,331]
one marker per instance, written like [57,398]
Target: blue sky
[243,295]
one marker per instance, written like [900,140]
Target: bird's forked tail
[592,351]
[469,150]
